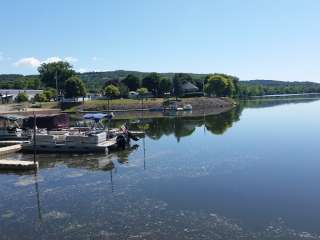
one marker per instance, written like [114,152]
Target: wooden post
[34,137]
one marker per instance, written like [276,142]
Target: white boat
[68,142]
[187,107]
[10,127]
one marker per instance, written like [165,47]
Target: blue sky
[252,39]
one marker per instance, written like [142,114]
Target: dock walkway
[10,149]
[17,165]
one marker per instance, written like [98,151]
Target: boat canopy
[10,121]
[49,122]
[11,117]
[98,116]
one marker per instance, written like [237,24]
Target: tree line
[60,79]
[248,89]
[220,85]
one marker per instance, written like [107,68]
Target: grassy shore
[119,105]
[126,108]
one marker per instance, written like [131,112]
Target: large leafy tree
[74,87]
[132,82]
[112,91]
[218,85]
[49,72]
[165,85]
[152,82]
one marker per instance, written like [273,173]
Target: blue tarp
[97,116]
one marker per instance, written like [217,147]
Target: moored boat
[10,127]
[65,142]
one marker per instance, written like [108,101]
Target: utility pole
[57,89]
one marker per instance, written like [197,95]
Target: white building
[12,93]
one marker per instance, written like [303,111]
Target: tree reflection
[185,126]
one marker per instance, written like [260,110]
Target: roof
[97,116]
[11,117]
[16,91]
[189,86]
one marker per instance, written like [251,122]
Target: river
[250,173]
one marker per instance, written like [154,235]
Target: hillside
[96,80]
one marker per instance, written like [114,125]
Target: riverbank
[28,109]
[127,108]
[126,105]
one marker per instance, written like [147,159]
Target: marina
[210,191]
[52,134]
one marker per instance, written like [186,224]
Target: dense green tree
[233,88]
[50,93]
[40,97]
[32,83]
[124,90]
[152,82]
[217,85]
[132,82]
[74,87]
[49,72]
[112,91]
[165,85]
[142,91]
[22,97]
[20,84]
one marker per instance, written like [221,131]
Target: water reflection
[231,188]
[184,127]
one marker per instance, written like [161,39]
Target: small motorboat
[187,107]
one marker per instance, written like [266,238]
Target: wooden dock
[10,149]
[11,142]
[17,165]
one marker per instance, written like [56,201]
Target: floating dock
[17,165]
[10,149]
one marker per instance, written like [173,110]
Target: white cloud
[94,58]
[28,62]
[52,60]
[71,59]
[35,62]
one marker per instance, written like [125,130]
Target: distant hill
[276,82]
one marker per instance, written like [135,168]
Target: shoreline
[129,108]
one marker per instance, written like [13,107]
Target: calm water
[251,173]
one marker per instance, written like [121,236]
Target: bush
[40,97]
[22,97]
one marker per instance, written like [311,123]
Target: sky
[251,39]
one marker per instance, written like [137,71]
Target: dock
[17,165]
[10,149]
[138,133]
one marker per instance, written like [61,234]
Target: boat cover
[97,116]
[49,122]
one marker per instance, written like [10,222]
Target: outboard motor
[121,141]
